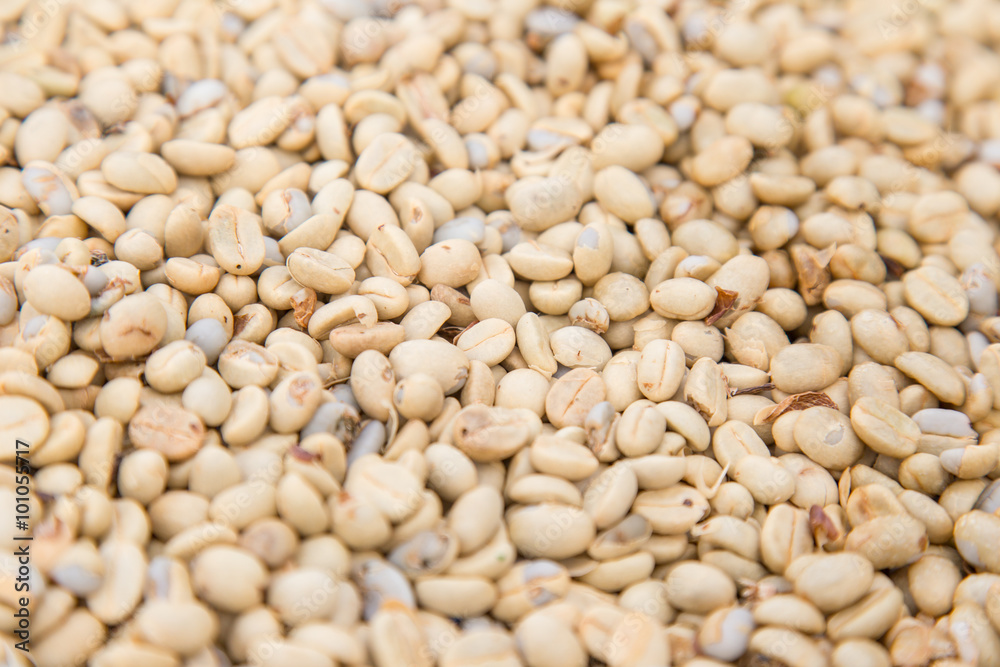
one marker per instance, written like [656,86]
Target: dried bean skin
[476,334]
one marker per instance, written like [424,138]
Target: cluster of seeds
[602,332]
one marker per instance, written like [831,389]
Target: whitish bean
[805,367]
[489,341]
[683,299]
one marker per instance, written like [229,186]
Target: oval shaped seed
[143,173]
[243,363]
[805,367]
[453,263]
[489,341]
[170,430]
[889,541]
[441,360]
[748,277]
[539,262]
[833,581]
[229,578]
[456,596]
[699,588]
[785,535]
[493,434]
[390,253]
[197,158]
[572,396]
[236,240]
[721,161]
[22,419]
[825,435]
[788,646]
[884,428]
[683,299]
[622,193]
[933,373]
[936,295]
[322,271]
[133,327]
[577,347]
[294,401]
[660,370]
[975,534]
[174,366]
[386,162]
[672,511]
[550,530]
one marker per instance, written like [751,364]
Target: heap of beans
[483,332]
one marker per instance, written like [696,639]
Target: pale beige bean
[699,588]
[536,261]
[871,380]
[683,299]
[425,319]
[793,648]
[247,578]
[351,340]
[52,289]
[811,575]
[550,530]
[936,375]
[488,341]
[174,366]
[325,272]
[721,161]
[625,297]
[790,611]
[879,335]
[888,541]
[825,435]
[936,295]
[533,341]
[418,397]
[392,254]
[137,172]
[850,297]
[456,596]
[386,162]
[593,253]
[133,326]
[746,275]
[622,193]
[571,397]
[173,431]
[243,363]
[672,511]
[884,428]
[973,533]
[439,359]
[197,158]
[236,240]
[805,367]
[453,263]
[390,298]
[660,370]
[577,347]
[493,434]
[785,535]
[559,456]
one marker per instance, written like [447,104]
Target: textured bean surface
[471,332]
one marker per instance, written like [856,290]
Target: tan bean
[805,367]
[934,374]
